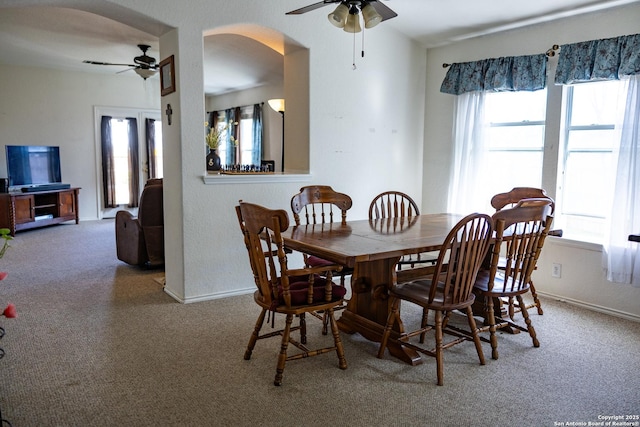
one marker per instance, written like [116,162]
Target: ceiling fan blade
[383,10]
[109,63]
[312,7]
[126,69]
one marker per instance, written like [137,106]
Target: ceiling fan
[345,16]
[144,65]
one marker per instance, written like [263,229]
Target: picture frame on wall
[167,76]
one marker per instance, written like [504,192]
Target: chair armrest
[125,216]
[130,244]
[127,223]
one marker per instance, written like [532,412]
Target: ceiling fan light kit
[373,11]
[371,16]
[145,73]
[347,16]
[339,16]
[353,22]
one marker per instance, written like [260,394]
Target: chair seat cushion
[298,288]
[482,285]
[418,292]
[315,261]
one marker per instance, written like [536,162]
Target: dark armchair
[140,241]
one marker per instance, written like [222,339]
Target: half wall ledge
[215,179]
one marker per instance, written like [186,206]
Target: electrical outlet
[556,270]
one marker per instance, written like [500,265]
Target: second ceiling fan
[144,65]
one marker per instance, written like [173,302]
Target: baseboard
[209,297]
[593,307]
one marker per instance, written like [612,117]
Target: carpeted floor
[98,343]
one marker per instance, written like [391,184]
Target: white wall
[582,278]
[365,135]
[52,107]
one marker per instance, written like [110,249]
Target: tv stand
[44,187]
[23,211]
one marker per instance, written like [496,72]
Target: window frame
[515,148]
[593,226]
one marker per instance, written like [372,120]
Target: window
[586,169]
[127,139]
[119,158]
[223,129]
[585,158]
[155,152]
[246,143]
[120,144]
[515,140]
[242,135]
[515,150]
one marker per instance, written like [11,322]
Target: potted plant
[212,140]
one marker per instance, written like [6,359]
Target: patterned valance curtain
[605,59]
[512,73]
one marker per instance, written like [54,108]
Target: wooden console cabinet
[22,211]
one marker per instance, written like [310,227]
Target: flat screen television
[30,165]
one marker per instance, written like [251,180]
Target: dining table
[372,248]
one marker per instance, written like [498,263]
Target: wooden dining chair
[321,204]
[280,290]
[510,199]
[448,289]
[520,235]
[391,205]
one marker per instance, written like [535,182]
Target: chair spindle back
[460,258]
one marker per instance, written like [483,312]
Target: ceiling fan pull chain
[363,30]
[354,51]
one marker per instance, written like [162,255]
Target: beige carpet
[98,343]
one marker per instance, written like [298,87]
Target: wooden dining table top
[370,240]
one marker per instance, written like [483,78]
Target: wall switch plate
[556,270]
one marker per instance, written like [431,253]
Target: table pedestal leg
[369,306]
